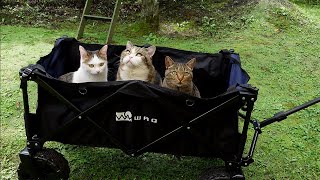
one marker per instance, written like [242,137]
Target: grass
[283,62]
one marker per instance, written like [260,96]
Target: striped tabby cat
[136,64]
[179,76]
[93,67]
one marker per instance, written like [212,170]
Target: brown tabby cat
[179,76]
[136,64]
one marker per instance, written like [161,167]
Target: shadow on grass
[106,163]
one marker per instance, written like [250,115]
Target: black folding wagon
[139,117]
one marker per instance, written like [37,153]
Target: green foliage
[45,2]
[282,17]
[208,25]
[184,25]
[153,38]
[247,19]
[286,16]
[310,2]
[37,15]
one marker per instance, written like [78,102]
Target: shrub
[312,2]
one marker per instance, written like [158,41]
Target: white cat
[93,67]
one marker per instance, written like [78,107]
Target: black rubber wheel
[221,173]
[215,174]
[49,163]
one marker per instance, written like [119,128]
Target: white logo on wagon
[124,116]
[127,116]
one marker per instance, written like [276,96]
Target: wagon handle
[283,115]
[277,117]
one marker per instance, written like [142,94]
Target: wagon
[138,117]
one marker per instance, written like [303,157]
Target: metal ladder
[112,20]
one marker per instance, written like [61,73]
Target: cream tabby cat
[136,64]
[179,76]
[93,67]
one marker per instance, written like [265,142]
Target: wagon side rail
[280,116]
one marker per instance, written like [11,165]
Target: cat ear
[129,45]
[83,52]
[151,50]
[103,51]
[191,63]
[169,62]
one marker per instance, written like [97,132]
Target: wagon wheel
[49,163]
[218,173]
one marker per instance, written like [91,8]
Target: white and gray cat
[93,67]
[179,77]
[136,64]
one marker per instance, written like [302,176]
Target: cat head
[179,74]
[134,56]
[94,62]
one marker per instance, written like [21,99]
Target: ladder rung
[98,17]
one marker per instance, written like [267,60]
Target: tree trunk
[150,11]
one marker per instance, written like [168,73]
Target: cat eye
[139,54]
[128,51]
[101,64]
[91,65]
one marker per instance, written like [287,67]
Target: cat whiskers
[120,67]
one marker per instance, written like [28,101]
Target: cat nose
[180,77]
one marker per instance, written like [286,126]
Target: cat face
[134,56]
[179,74]
[94,62]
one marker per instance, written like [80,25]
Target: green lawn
[280,54]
